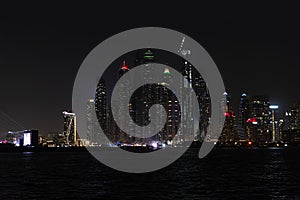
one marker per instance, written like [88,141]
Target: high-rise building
[229,134]
[170,101]
[292,118]
[122,135]
[100,106]
[260,117]
[274,123]
[243,116]
[94,123]
[203,98]
[290,131]
[187,100]
[70,128]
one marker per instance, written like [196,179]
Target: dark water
[225,173]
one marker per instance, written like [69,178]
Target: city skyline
[40,56]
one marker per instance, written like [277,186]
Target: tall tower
[229,134]
[172,106]
[243,115]
[91,120]
[260,113]
[187,101]
[147,90]
[69,128]
[203,98]
[100,107]
[123,92]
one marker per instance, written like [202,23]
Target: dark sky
[256,48]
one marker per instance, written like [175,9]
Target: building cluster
[22,138]
[146,96]
[31,138]
[258,123]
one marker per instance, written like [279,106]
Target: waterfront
[225,172]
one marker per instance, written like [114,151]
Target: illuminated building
[229,134]
[147,92]
[291,119]
[275,133]
[24,138]
[100,107]
[31,138]
[187,101]
[122,135]
[203,98]
[69,128]
[290,131]
[170,101]
[260,111]
[243,116]
[94,123]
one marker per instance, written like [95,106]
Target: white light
[273,106]
[154,144]
[67,113]
[254,122]
[27,139]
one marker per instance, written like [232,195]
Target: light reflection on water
[235,173]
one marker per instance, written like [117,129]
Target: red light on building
[252,119]
[124,66]
[227,114]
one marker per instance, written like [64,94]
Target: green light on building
[166,71]
[148,55]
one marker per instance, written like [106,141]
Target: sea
[226,173]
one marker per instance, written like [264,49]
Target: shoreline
[136,149]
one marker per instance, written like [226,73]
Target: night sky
[256,48]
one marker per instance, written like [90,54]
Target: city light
[273,106]
[27,139]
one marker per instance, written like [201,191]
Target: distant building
[203,98]
[260,118]
[96,120]
[70,132]
[31,138]
[243,116]
[24,138]
[291,119]
[229,134]
[290,128]
[100,107]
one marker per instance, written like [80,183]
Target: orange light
[249,142]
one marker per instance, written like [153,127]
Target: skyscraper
[243,116]
[260,114]
[168,98]
[100,107]
[70,128]
[187,101]
[290,131]
[229,133]
[203,98]
[122,135]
